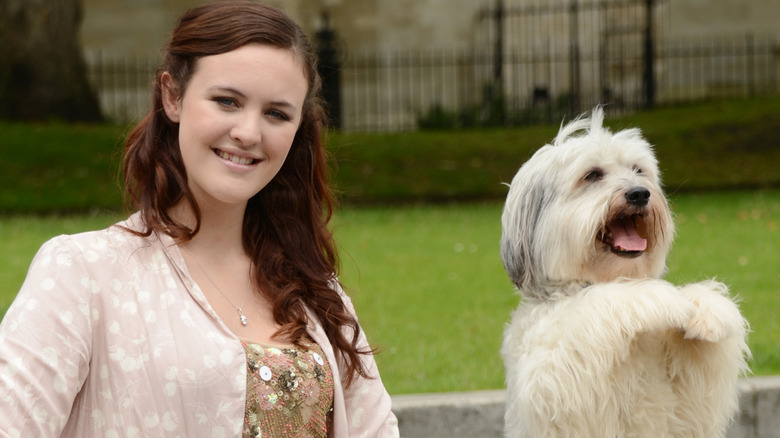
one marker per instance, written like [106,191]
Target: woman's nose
[247,130]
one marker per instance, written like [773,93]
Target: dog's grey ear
[526,203]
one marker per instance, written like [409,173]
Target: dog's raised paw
[705,326]
[716,316]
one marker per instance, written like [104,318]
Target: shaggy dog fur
[600,346]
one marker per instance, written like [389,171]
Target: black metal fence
[740,66]
[407,90]
[569,55]
[530,64]
[123,84]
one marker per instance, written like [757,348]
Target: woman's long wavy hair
[285,225]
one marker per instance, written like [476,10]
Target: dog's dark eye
[594,175]
[638,170]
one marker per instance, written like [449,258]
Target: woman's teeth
[233,158]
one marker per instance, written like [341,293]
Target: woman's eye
[276,114]
[226,101]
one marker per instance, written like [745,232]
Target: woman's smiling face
[237,120]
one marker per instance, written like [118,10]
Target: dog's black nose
[638,196]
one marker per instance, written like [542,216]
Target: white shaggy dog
[600,346]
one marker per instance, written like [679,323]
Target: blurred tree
[42,72]
[329,66]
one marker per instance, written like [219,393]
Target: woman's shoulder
[336,285]
[103,244]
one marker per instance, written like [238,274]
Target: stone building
[141,26]
[542,55]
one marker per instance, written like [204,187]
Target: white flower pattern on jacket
[110,336]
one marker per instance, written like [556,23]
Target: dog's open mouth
[626,236]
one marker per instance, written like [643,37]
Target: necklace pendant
[241,316]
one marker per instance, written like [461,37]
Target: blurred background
[404,64]
[434,105]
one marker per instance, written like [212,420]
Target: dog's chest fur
[633,386]
[645,382]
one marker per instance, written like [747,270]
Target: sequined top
[289,391]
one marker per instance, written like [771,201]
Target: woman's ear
[170,99]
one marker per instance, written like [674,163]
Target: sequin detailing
[289,391]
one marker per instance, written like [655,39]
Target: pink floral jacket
[110,336]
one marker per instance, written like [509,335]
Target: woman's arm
[45,342]
[367,402]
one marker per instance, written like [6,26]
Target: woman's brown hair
[285,225]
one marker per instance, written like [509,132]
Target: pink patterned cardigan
[110,336]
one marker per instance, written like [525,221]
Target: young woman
[213,311]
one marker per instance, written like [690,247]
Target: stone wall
[142,26]
[481,414]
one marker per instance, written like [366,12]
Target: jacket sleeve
[367,402]
[45,342]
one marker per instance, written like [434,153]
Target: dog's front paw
[716,316]
[680,311]
[704,326]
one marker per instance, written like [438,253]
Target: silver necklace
[241,316]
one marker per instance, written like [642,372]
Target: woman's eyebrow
[224,89]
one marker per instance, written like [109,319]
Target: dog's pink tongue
[625,237]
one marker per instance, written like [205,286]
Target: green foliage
[429,287]
[712,145]
[59,167]
[431,293]
[497,111]
[437,117]
[708,146]
[734,237]
[427,280]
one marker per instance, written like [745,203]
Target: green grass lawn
[735,237]
[47,168]
[431,293]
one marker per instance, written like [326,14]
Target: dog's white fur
[600,346]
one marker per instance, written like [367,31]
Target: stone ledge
[480,414]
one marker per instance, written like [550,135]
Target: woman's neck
[221,228]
